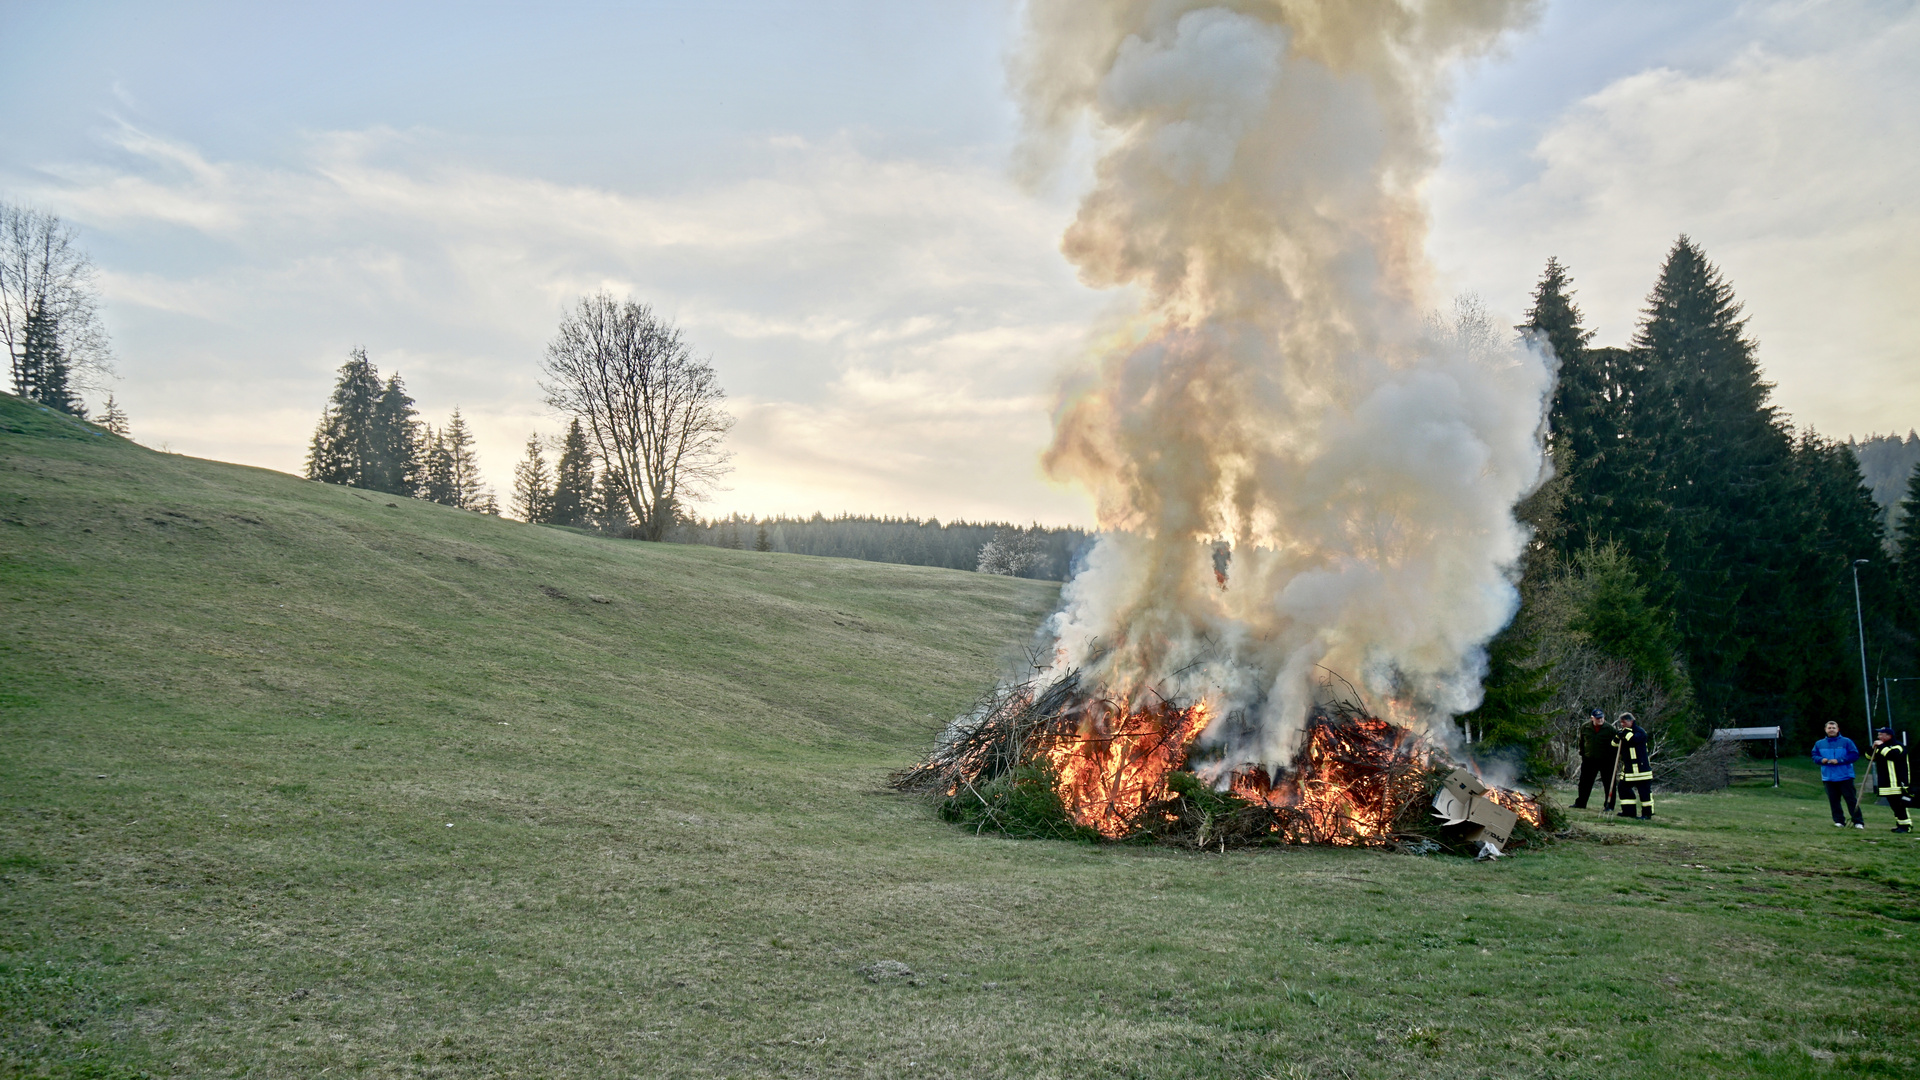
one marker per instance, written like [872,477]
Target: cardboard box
[1462,800]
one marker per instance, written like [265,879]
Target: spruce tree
[43,373]
[1906,540]
[1580,394]
[532,485]
[114,419]
[1610,499]
[1813,660]
[436,470]
[450,474]
[344,449]
[573,480]
[395,467]
[1719,460]
[609,512]
[464,468]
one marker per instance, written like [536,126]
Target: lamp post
[1860,620]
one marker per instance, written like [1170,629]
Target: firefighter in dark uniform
[1636,769]
[1892,777]
[1596,758]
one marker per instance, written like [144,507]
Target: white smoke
[1280,388]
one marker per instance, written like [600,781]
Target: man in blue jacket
[1836,755]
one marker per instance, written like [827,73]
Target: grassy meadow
[299,781]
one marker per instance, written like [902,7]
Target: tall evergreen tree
[573,480]
[395,467]
[344,450]
[533,485]
[436,470]
[1580,394]
[468,491]
[609,513]
[42,372]
[1720,457]
[450,474]
[1610,499]
[1907,580]
[1907,536]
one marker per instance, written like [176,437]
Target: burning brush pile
[1298,463]
[1047,759]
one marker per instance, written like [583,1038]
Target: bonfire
[1144,772]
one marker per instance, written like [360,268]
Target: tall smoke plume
[1281,407]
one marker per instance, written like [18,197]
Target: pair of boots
[1643,815]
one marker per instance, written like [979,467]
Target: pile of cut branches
[1356,781]
[1001,733]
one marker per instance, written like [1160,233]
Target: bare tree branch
[45,277]
[652,408]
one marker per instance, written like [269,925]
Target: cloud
[1792,164]
[888,328]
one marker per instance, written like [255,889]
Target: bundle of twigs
[995,737]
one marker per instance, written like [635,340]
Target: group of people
[1617,755]
[1888,766]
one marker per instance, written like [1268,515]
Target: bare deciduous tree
[47,295]
[652,408]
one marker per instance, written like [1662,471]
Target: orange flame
[1528,808]
[1348,785]
[1117,764]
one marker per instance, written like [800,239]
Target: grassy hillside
[297,780]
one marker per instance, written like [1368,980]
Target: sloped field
[297,780]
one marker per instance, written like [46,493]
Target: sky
[819,194]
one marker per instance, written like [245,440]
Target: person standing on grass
[1636,769]
[1836,755]
[1596,758]
[1892,778]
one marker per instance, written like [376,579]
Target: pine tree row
[369,437]
[574,493]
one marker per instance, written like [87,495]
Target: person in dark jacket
[1636,769]
[1836,755]
[1596,758]
[1892,778]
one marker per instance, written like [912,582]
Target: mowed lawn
[297,783]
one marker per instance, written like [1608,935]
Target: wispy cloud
[889,328]
[1792,163]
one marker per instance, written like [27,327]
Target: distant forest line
[1033,551]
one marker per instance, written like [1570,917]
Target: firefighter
[1636,769]
[1596,758]
[1892,778]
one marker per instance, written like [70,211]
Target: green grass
[296,783]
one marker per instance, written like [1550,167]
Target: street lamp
[1860,620]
